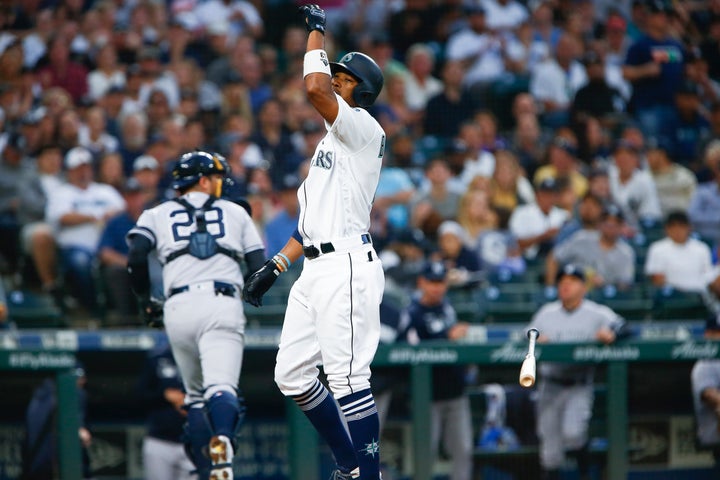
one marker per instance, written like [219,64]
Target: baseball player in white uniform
[333,314]
[200,240]
[565,390]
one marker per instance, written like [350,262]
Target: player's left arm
[137,267]
[316,67]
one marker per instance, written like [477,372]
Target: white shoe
[221,456]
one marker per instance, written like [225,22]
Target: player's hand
[314,17]
[260,282]
[152,312]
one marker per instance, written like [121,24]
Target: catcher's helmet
[366,71]
[191,166]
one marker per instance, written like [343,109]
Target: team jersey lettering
[181,228]
[323,160]
[382,147]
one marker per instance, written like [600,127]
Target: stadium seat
[671,304]
[509,302]
[32,310]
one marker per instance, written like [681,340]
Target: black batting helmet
[366,71]
[191,166]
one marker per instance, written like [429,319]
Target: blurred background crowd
[522,135]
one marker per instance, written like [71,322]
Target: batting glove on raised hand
[260,282]
[314,17]
[152,312]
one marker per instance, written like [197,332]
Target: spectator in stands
[112,253]
[675,184]
[528,143]
[394,192]
[537,224]
[508,186]
[146,170]
[654,67]
[566,391]
[475,215]
[108,72]
[227,68]
[704,209]
[133,138]
[686,128]
[597,98]
[447,110]
[462,264]
[430,316]
[110,170]
[679,261]
[563,163]
[37,235]
[285,220]
[12,170]
[243,17]
[498,250]
[555,81]
[393,112]
[420,84]
[632,188]
[436,196]
[275,141]
[585,217]
[61,71]
[93,134]
[161,395]
[158,110]
[616,43]
[705,382]
[480,50]
[605,257]
[78,211]
[523,52]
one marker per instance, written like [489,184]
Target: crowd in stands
[521,134]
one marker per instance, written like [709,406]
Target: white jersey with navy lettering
[168,226]
[337,195]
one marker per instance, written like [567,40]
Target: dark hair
[677,217]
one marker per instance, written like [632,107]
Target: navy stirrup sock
[362,419]
[320,408]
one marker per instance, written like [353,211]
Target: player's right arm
[316,71]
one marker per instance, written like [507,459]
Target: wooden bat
[527,371]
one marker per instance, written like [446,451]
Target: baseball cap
[452,227]
[434,271]
[77,156]
[571,270]
[612,210]
[547,185]
[132,185]
[290,182]
[145,162]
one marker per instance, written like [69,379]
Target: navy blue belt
[221,288]
[312,251]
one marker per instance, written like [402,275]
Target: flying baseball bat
[527,371]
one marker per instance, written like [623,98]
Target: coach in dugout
[565,391]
